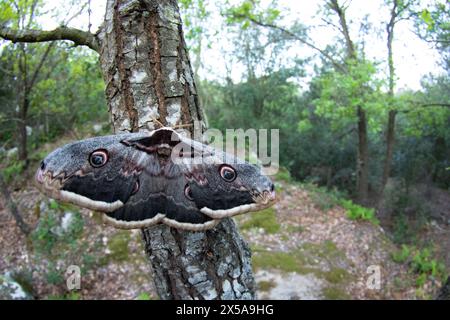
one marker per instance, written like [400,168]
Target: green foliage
[6,11]
[402,255]
[341,93]
[326,250]
[294,229]
[324,199]
[409,211]
[425,15]
[357,212]
[402,231]
[266,285]
[50,231]
[118,245]
[265,219]
[336,275]
[433,25]
[54,276]
[283,174]
[335,293]
[283,261]
[144,296]
[58,241]
[421,262]
[249,10]
[71,93]
[12,170]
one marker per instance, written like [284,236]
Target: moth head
[94,173]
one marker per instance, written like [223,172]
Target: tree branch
[296,37]
[79,37]
[340,11]
[437,104]
[38,68]
[425,105]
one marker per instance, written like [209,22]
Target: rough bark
[149,81]
[201,265]
[11,205]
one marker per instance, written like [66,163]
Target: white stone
[12,152]
[97,127]
[292,285]
[66,221]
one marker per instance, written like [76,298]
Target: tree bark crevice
[124,73]
[155,59]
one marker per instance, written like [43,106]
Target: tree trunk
[362,158]
[390,132]
[390,140]
[22,128]
[149,80]
[362,168]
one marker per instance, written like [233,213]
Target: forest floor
[300,251]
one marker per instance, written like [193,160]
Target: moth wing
[161,196]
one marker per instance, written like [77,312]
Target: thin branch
[32,10]
[79,37]
[340,11]
[425,105]
[41,63]
[65,23]
[437,104]
[332,25]
[300,39]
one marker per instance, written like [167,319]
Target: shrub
[357,212]
[323,198]
[57,243]
[402,255]
[12,170]
[421,263]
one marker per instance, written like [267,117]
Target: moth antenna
[157,122]
[182,125]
